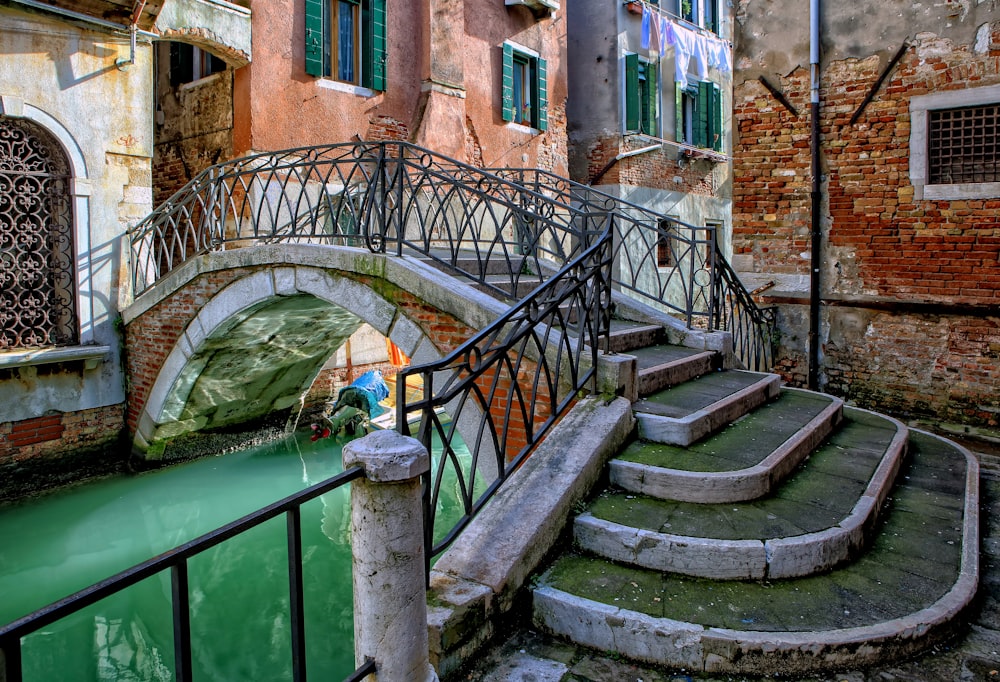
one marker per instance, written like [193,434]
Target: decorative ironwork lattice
[37,290]
[964,145]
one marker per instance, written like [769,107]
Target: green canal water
[61,543]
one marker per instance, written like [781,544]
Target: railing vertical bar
[296,601]
[10,658]
[182,621]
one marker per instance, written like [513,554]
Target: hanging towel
[718,56]
[647,17]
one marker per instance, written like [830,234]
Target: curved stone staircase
[755,529]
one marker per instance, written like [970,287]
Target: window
[38,292]
[189,64]
[962,145]
[665,256]
[955,144]
[641,96]
[699,115]
[345,41]
[523,97]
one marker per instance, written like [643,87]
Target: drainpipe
[816,260]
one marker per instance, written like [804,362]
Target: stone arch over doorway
[202,384]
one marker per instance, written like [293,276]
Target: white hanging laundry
[718,55]
[647,18]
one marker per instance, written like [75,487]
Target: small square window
[524,83]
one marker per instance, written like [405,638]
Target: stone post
[390,600]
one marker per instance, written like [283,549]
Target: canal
[57,544]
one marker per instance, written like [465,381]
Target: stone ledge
[475,582]
[90,355]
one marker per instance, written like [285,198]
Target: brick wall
[929,348]
[657,169]
[59,448]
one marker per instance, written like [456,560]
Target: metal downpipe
[815,196]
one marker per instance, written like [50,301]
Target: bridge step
[690,411]
[817,519]
[741,462]
[906,592]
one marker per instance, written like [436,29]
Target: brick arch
[162,340]
[208,40]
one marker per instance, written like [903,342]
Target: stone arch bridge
[232,338]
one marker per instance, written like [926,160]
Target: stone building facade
[909,195]
[76,142]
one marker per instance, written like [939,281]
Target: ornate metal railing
[176,561]
[493,399]
[671,265]
[381,196]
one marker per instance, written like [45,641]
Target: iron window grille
[963,145]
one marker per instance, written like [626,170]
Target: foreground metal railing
[670,265]
[176,561]
[491,401]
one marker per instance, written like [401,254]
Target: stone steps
[690,411]
[743,461]
[902,594]
[820,517]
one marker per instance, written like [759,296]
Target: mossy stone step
[819,517]
[663,366]
[685,413]
[904,594]
[743,461]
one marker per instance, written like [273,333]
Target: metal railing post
[390,603]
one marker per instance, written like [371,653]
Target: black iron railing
[176,561]
[670,265]
[491,401]
[386,196]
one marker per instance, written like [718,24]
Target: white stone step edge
[752,559]
[720,650]
[730,486]
[658,377]
[686,430]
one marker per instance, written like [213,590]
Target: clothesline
[670,16]
[706,50]
[695,151]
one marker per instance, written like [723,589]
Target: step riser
[730,486]
[699,424]
[640,337]
[669,374]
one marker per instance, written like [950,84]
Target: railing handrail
[175,559]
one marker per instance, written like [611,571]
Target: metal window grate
[963,145]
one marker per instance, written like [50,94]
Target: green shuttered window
[699,115]
[642,89]
[345,41]
[524,89]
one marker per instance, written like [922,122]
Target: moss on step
[913,562]
[684,399]
[740,445]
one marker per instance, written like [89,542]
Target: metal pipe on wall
[815,195]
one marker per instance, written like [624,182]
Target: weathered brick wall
[658,169]
[59,448]
[929,348]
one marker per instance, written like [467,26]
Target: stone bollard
[387,539]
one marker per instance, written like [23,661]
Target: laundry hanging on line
[707,51]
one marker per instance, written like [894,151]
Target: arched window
[37,274]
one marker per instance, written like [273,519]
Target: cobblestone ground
[531,657]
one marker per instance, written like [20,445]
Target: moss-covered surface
[819,495]
[661,354]
[683,399]
[913,561]
[742,444]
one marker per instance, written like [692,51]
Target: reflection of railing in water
[508,384]
[176,561]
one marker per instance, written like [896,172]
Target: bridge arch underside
[241,368]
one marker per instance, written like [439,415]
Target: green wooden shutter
[678,113]
[507,84]
[314,37]
[652,95]
[702,120]
[716,118]
[379,53]
[632,92]
[541,95]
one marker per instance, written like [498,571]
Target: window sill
[350,89]
[521,128]
[90,355]
[972,190]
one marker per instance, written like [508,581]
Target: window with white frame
[524,97]
[955,144]
[345,41]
